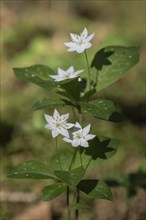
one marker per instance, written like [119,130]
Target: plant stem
[67,192]
[89,73]
[80,156]
[74,113]
[88,164]
[96,81]
[77,201]
[68,203]
[67,195]
[73,159]
[58,153]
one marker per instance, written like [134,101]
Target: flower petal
[77,125]
[75,143]
[56,114]
[61,72]
[64,132]
[54,77]
[68,125]
[50,126]
[67,140]
[90,136]
[74,37]
[84,33]
[60,78]
[64,117]
[70,44]
[89,38]
[81,48]
[48,118]
[86,130]
[70,69]
[55,133]
[87,45]
[84,143]
[74,48]
[78,72]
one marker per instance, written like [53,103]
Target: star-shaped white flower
[79,136]
[58,124]
[68,74]
[80,42]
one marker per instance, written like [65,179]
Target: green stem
[80,156]
[77,201]
[89,73]
[74,113]
[88,164]
[68,203]
[58,153]
[96,80]
[80,116]
[80,121]
[73,159]
[67,195]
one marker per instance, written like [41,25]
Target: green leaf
[79,206]
[48,103]
[103,109]
[72,87]
[65,157]
[88,94]
[37,74]
[72,177]
[52,191]
[96,189]
[31,169]
[112,63]
[102,147]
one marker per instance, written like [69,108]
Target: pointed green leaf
[72,87]
[102,147]
[96,189]
[103,109]
[71,177]
[113,62]
[31,169]
[52,191]
[48,103]
[80,206]
[37,74]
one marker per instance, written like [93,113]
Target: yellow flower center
[80,42]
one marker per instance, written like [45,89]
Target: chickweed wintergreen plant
[83,150]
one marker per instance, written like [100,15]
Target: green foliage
[96,189]
[72,87]
[79,206]
[37,74]
[48,103]
[52,191]
[71,177]
[112,63]
[102,109]
[102,147]
[31,169]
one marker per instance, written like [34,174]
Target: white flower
[80,137]
[58,124]
[80,42]
[68,74]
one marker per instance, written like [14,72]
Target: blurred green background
[34,32]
